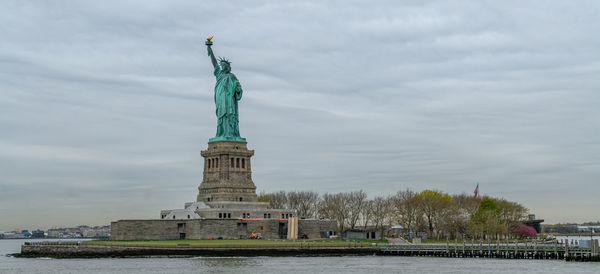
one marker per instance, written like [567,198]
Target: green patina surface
[224,138]
[231,243]
[228,92]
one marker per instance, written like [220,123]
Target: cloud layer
[106,105]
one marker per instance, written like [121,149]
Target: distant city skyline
[106,105]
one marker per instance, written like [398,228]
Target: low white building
[227,210]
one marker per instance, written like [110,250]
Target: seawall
[99,251]
[508,251]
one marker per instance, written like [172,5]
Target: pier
[505,250]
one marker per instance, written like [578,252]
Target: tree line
[439,214]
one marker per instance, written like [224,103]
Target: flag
[476,192]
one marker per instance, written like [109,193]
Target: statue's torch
[208,41]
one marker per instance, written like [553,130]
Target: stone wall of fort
[316,228]
[216,228]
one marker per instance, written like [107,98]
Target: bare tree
[406,208]
[355,201]
[381,214]
[334,206]
[467,203]
[429,210]
[465,206]
[449,224]
[279,200]
[366,213]
[304,202]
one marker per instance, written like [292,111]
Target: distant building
[535,223]
[12,235]
[38,234]
[54,233]
[560,228]
[363,233]
[26,233]
[83,231]
[397,231]
[588,228]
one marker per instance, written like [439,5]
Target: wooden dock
[505,250]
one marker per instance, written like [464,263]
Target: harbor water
[343,264]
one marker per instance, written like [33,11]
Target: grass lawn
[230,243]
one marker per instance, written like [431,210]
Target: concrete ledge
[98,251]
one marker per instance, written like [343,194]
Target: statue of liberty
[228,92]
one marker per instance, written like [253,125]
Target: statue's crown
[223,60]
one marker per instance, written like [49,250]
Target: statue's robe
[227,92]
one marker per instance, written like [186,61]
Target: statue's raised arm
[228,92]
[210,52]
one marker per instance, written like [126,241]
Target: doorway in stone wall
[282,231]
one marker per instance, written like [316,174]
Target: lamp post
[592,251]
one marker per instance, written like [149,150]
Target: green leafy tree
[511,215]
[434,204]
[486,220]
[264,197]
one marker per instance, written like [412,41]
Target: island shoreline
[105,251]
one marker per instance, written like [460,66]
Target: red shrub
[526,231]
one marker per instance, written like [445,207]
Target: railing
[532,250]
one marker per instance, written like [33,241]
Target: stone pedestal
[227,173]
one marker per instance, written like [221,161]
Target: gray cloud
[105,105]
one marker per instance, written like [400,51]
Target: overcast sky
[105,105]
